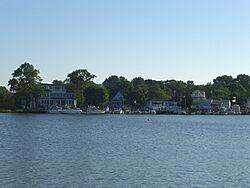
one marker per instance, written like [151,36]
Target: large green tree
[115,84]
[175,89]
[223,80]
[96,95]
[138,92]
[57,82]
[238,91]
[155,90]
[244,80]
[78,81]
[220,92]
[26,85]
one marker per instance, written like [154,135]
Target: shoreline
[132,114]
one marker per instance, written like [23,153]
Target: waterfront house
[161,105]
[57,95]
[198,95]
[118,101]
[216,105]
[199,101]
[202,105]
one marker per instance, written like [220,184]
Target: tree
[189,88]
[26,85]
[238,91]
[244,80]
[78,81]
[115,84]
[96,95]
[138,92]
[177,89]
[220,92]
[6,99]
[57,82]
[155,91]
[112,85]
[224,80]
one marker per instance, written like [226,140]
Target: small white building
[161,105]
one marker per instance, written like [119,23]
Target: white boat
[59,110]
[71,111]
[152,112]
[93,110]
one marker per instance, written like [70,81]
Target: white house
[57,95]
[161,105]
[199,101]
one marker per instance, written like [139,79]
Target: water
[124,151]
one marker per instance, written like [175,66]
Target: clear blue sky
[158,39]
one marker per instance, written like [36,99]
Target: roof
[118,97]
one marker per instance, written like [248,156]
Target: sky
[185,40]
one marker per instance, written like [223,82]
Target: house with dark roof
[118,101]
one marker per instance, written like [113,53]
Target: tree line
[25,89]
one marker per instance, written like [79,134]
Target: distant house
[198,95]
[199,101]
[118,101]
[161,105]
[203,105]
[216,105]
[57,95]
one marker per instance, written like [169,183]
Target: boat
[71,111]
[55,110]
[94,110]
[136,112]
[118,111]
[59,110]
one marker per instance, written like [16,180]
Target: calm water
[124,151]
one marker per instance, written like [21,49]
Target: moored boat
[94,110]
[71,111]
[55,110]
[59,110]
[118,111]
